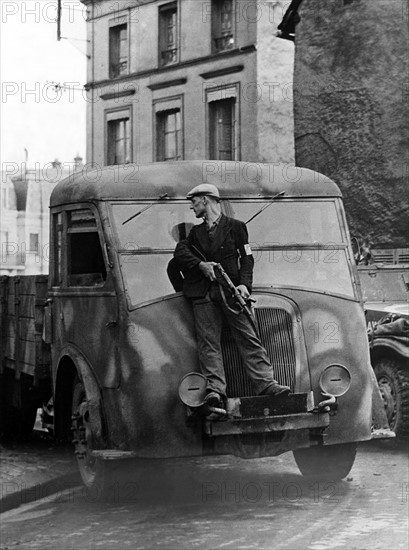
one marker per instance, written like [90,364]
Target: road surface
[226,503]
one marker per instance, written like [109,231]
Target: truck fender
[389,344]
[92,390]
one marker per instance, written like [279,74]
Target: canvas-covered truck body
[25,367]
[123,343]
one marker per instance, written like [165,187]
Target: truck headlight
[192,389]
[335,380]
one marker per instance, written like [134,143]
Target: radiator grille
[276,334]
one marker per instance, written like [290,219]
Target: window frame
[114,68]
[58,247]
[219,93]
[162,118]
[117,115]
[34,239]
[217,33]
[113,26]
[164,9]
[59,274]
[163,105]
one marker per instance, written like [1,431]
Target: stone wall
[275,66]
[351,109]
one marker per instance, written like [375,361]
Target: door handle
[111,324]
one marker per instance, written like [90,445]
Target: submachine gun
[241,304]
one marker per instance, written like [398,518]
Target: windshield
[294,244]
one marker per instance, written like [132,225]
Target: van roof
[233,179]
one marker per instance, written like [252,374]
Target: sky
[48,123]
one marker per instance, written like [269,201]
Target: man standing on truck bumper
[224,240]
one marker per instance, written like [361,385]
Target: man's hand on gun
[243,291]
[207,268]
[215,271]
[240,292]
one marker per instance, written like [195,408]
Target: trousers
[209,313]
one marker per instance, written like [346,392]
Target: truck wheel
[332,462]
[393,382]
[96,473]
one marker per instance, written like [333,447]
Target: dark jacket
[227,248]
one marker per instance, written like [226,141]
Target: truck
[385,290]
[109,345]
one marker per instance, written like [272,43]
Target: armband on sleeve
[247,250]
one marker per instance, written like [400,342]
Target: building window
[222,129]
[119,141]
[168,140]
[4,244]
[118,50]
[168,34]
[169,145]
[33,242]
[222,25]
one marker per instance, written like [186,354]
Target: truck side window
[85,260]
[57,266]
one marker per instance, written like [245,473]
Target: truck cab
[123,343]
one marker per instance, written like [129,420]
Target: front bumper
[268,414]
[277,423]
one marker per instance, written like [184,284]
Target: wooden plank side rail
[4,280]
[23,350]
[17,343]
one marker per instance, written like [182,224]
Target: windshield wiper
[280,194]
[146,208]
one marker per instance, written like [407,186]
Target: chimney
[56,164]
[77,163]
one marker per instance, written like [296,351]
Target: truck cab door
[84,301]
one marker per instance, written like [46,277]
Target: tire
[96,474]
[393,382]
[332,462]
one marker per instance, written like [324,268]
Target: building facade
[351,113]
[9,228]
[24,220]
[188,79]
